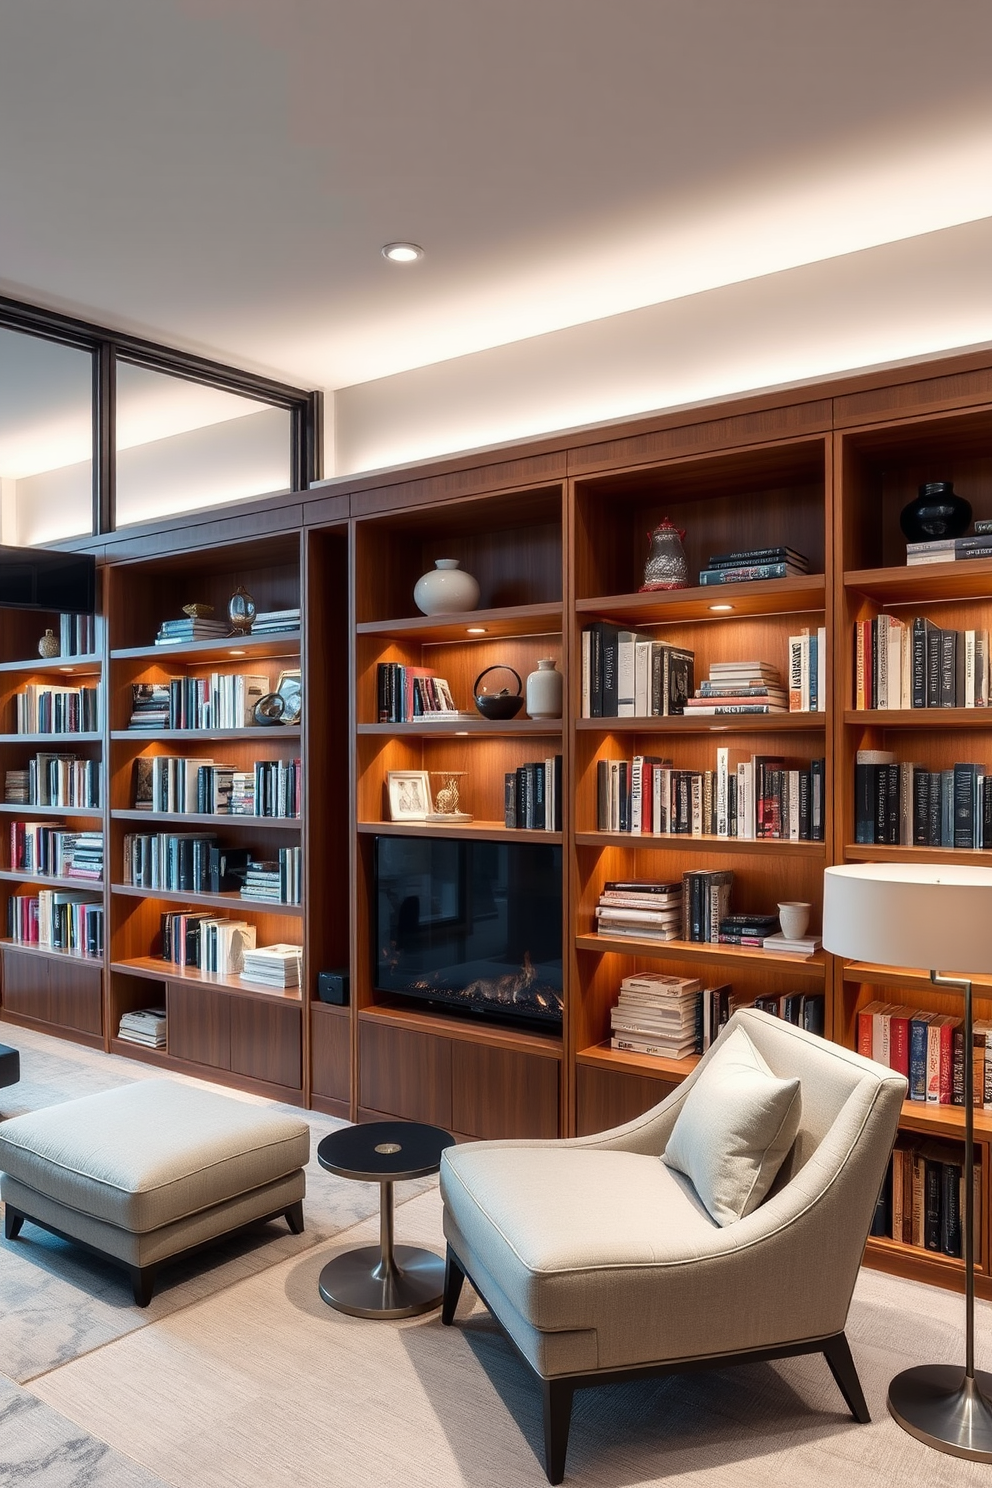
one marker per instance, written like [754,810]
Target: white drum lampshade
[932,916]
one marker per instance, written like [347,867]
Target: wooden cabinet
[330,1054]
[610,1097]
[60,991]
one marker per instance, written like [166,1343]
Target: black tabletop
[384,1149]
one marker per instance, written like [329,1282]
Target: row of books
[62,919]
[182,862]
[928,1048]
[51,849]
[903,803]
[41,709]
[77,635]
[277,880]
[205,786]
[921,1202]
[219,700]
[205,940]
[55,780]
[740,687]
[763,796]
[145,1026]
[917,664]
[754,563]
[407,692]
[629,675]
[532,796]
[673,1017]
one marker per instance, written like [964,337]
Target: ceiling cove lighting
[722,608]
[402,252]
[475,630]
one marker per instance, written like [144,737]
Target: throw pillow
[734,1130]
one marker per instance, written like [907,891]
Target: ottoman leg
[12,1222]
[294,1218]
[142,1283]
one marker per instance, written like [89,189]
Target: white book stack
[740,687]
[144,1026]
[658,1014]
[277,965]
[782,945]
[640,909]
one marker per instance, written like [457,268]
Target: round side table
[384,1281]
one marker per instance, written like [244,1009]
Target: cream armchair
[601,1263]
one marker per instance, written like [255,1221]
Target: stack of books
[149,705]
[640,909]
[277,881]
[784,945]
[747,929]
[658,1014]
[268,622]
[17,788]
[740,687]
[144,1026]
[191,628]
[805,1009]
[754,563]
[274,966]
[949,549]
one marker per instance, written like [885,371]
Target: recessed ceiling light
[475,629]
[402,252]
[239,653]
[721,607]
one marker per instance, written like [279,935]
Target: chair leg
[454,1276]
[142,1283]
[294,1218]
[838,1355]
[12,1222]
[557,1419]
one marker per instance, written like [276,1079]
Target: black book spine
[732,806]
[610,692]
[933,663]
[933,824]
[510,798]
[596,669]
[880,800]
[881,1224]
[921,806]
[382,692]
[696,906]
[624,796]
[818,785]
[891,805]
[864,803]
[950,1209]
[932,1185]
[684,818]
[965,783]
[805,805]
[813,1007]
[558,797]
[602,795]
[540,794]
[987,811]
[948,668]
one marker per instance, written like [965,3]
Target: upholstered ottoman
[149,1172]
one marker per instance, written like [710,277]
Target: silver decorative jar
[666,566]
[49,645]
[446,590]
[545,689]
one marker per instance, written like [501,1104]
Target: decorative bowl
[500,704]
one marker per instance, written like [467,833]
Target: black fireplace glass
[471,925]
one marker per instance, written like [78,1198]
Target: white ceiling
[221,174]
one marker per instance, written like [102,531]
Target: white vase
[793,916]
[446,590]
[544,690]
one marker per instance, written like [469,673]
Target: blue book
[918,1056]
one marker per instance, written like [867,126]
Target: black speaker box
[332,986]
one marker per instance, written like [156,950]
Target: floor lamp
[928,916]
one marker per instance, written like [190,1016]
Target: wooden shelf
[477,831]
[514,620]
[474,1031]
[924,583]
[229,900]
[683,841]
[604,1056]
[63,739]
[157,970]
[880,1248]
[709,723]
[947,1121]
[920,718]
[145,1052]
[794,596]
[86,666]
[895,976]
[167,736]
[50,880]
[861,852]
[14,808]
[472,727]
[232,648]
[204,818]
[52,951]
[691,950]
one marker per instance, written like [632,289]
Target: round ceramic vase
[446,590]
[544,690]
[49,645]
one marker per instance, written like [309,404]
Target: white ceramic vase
[793,917]
[544,690]
[446,590]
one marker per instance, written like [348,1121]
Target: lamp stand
[949,1408]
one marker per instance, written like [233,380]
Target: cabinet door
[199,1024]
[607,1098]
[27,986]
[266,1041]
[405,1073]
[75,996]
[502,1092]
[330,1050]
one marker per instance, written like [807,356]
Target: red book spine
[946,1063]
[899,1043]
[864,1034]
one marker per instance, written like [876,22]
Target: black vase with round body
[936,512]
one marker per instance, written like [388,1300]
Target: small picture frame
[290,689]
[409,795]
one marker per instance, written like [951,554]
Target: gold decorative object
[198,611]
[446,804]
